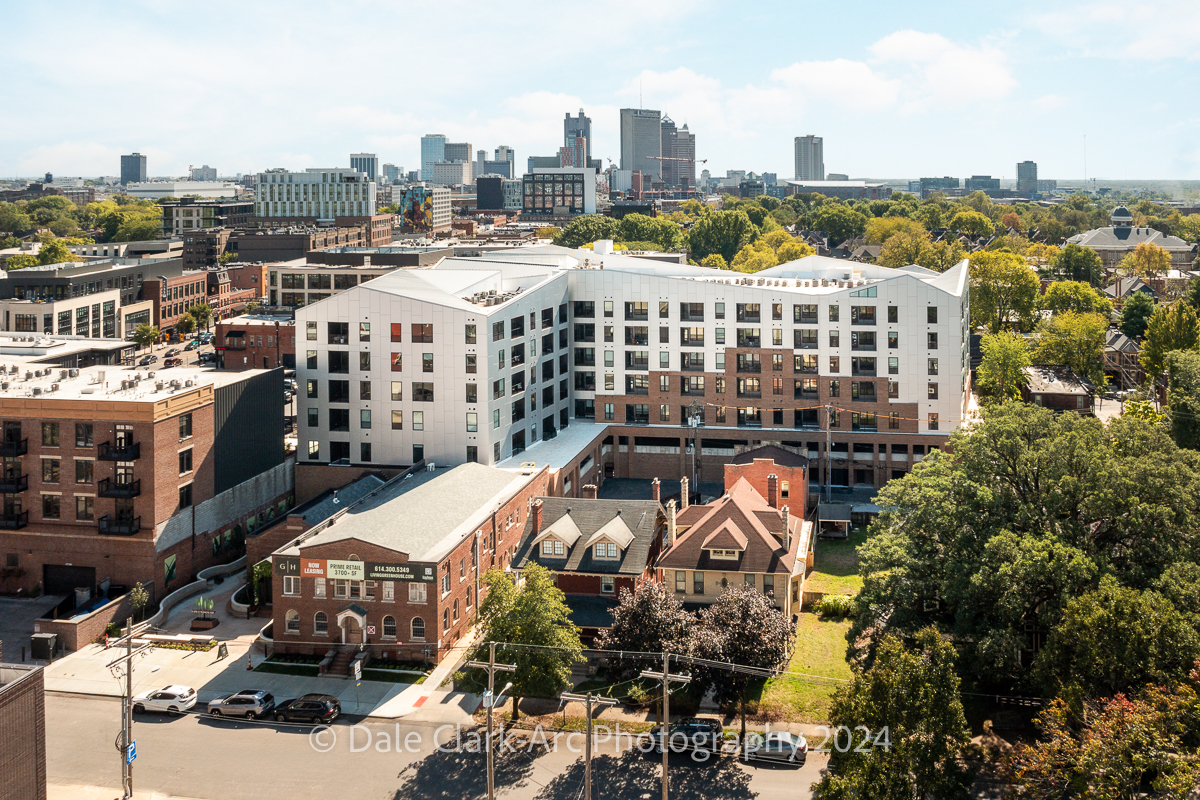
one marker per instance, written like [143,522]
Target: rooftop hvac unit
[12,370]
[100,376]
[88,390]
[74,373]
[54,387]
[4,386]
[158,387]
[62,374]
[150,375]
[37,390]
[28,376]
[188,382]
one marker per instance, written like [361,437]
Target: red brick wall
[261,350]
[571,583]
[76,633]
[23,731]
[756,474]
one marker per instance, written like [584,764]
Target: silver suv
[248,703]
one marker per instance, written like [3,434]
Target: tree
[226,257]
[992,540]
[903,248]
[1172,327]
[943,255]
[1076,341]
[1002,287]
[641,228]
[1001,373]
[793,251]
[1075,296]
[648,620]
[723,233]
[145,335]
[880,229]
[202,314]
[185,324]
[1013,222]
[1076,263]
[715,261]
[536,614]
[138,598]
[1112,748]
[1135,314]
[839,221]
[64,226]
[971,223]
[1040,255]
[549,232]
[1148,262]
[914,695]
[754,258]
[20,261]
[1192,298]
[1183,397]
[55,253]
[1115,639]
[587,229]
[741,627]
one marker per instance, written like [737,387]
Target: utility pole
[828,450]
[489,701]
[126,737]
[695,415]
[587,748]
[667,679]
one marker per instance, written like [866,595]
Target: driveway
[16,623]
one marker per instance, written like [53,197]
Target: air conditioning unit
[74,373]
[54,387]
[37,390]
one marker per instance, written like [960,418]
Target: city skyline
[959,96]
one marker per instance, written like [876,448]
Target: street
[198,757]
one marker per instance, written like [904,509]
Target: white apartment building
[810,158]
[320,193]
[449,372]
[449,173]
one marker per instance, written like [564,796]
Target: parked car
[172,699]
[172,362]
[147,360]
[691,733]
[314,708]
[780,747]
[248,703]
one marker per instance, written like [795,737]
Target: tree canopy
[1076,263]
[723,233]
[1004,291]
[1076,296]
[1001,373]
[1135,314]
[1172,327]
[1076,341]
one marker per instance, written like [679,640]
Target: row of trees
[120,219]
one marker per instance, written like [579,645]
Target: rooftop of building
[423,514]
[558,452]
[1124,237]
[1056,380]
[270,320]
[581,523]
[770,452]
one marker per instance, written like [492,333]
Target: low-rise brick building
[23,731]
[256,342]
[400,571]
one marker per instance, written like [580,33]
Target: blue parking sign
[131,753]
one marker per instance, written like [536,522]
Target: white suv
[172,699]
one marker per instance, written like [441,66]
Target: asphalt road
[195,756]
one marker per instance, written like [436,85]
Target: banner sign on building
[344,570]
[412,571]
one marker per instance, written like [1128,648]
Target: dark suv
[691,733]
[314,708]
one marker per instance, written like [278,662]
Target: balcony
[12,449]
[121,451]
[111,487]
[11,484]
[14,520]
[118,526]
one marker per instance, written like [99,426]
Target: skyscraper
[366,163]
[641,140]
[457,151]
[505,153]
[574,128]
[392,173]
[573,154]
[1027,178]
[678,144]
[133,168]
[433,148]
[810,158]
[667,169]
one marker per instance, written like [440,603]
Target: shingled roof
[631,524]
[739,520]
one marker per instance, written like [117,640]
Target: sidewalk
[86,672]
[63,791]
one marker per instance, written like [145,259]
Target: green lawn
[835,568]
[820,651]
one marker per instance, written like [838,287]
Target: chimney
[537,517]
[773,490]
[656,490]
[786,520]
[670,540]
[684,495]
[589,491]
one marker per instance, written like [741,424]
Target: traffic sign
[131,753]
[370,630]
[356,665]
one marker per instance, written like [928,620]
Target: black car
[148,360]
[691,733]
[314,708]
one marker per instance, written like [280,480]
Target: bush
[836,605]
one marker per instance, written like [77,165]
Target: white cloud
[1050,102]
[935,70]
[841,81]
[1150,31]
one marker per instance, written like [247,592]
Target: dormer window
[606,550]
[727,554]
[553,547]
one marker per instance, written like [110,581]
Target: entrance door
[12,432]
[352,632]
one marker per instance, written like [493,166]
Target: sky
[897,90]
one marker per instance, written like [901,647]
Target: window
[85,508]
[933,341]
[835,364]
[933,366]
[422,333]
[472,422]
[893,389]
[389,627]
[607,584]
[364,418]
[606,550]
[320,622]
[292,622]
[719,335]
[894,421]
[664,413]
[893,314]
[340,588]
[697,583]
[84,471]
[422,392]
[310,329]
[416,592]
[418,629]
[51,506]
[931,315]
[418,421]
[364,362]
[311,389]
[893,340]
[339,332]
[680,581]
[933,422]
[50,468]
[185,496]
[933,391]
[835,388]
[893,365]
[862,315]
[49,434]
[83,434]
[456,609]
[835,339]
[185,461]
[291,585]
[314,451]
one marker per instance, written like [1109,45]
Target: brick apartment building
[23,731]
[256,342]
[401,570]
[174,296]
[127,476]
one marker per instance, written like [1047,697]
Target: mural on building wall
[415,205]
